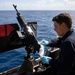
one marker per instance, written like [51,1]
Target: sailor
[65,64]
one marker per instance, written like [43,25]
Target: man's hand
[46,59]
[44,42]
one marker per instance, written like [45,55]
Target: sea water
[45,30]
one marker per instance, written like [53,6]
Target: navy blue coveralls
[65,63]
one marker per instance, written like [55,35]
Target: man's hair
[63,17]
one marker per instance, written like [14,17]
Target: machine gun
[29,39]
[30,42]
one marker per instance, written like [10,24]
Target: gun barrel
[21,20]
[15,6]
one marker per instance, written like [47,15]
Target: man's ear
[63,25]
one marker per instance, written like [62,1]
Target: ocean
[45,30]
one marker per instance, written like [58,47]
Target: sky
[38,4]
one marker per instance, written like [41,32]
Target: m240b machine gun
[30,42]
[29,39]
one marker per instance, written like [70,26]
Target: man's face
[58,28]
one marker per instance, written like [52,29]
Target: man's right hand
[44,42]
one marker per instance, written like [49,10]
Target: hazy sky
[38,4]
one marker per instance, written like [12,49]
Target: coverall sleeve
[55,43]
